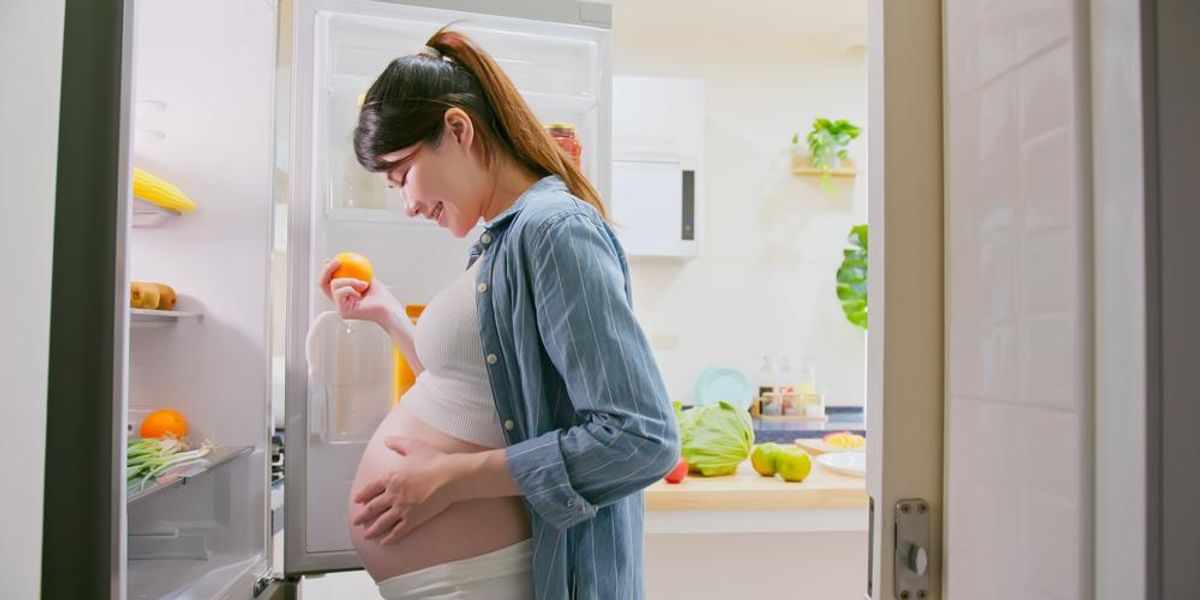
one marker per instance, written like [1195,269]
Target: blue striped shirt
[585,411]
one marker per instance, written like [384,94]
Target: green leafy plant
[852,277]
[828,142]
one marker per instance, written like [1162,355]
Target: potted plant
[828,142]
[852,277]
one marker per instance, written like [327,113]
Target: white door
[1020,332]
[1003,160]
[557,54]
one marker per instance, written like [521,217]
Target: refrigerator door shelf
[557,59]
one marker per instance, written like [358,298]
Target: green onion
[148,458]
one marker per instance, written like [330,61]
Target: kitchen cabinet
[748,536]
[657,170]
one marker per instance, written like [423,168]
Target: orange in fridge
[163,422]
[354,266]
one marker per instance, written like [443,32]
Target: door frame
[1144,138]
[905,340]
[1120,228]
[1170,62]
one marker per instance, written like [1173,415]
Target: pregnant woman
[513,468]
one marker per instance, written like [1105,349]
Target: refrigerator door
[201,109]
[557,53]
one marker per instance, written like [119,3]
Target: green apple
[763,458]
[793,464]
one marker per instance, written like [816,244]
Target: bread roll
[143,295]
[166,296]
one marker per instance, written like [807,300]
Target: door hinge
[266,581]
[910,550]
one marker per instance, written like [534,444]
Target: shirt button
[482,288]
[491,359]
[571,503]
[508,424]
[486,238]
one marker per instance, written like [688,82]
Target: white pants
[504,574]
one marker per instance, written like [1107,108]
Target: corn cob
[160,193]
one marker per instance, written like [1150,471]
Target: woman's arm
[356,299]
[480,475]
[625,436]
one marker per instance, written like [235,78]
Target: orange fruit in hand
[353,266]
[163,422]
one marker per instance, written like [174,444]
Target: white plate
[846,463]
[818,446]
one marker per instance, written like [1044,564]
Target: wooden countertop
[747,490]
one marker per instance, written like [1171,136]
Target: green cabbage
[716,438]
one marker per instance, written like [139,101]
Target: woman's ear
[459,127]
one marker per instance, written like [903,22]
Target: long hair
[408,101]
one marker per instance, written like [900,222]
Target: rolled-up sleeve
[625,436]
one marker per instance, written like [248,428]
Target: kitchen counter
[841,418]
[719,537]
[747,502]
[746,489]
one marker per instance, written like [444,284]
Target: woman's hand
[408,496]
[357,299]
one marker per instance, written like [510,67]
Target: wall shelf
[802,165]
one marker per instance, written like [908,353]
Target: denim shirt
[584,409]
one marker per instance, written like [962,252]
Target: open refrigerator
[249,105]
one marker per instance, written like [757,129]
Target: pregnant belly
[463,530]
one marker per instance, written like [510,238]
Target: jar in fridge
[564,135]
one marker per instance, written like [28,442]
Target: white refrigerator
[246,105]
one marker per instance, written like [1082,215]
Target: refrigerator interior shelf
[355,86]
[578,104]
[216,458]
[148,316]
[146,214]
[392,217]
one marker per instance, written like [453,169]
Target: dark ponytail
[407,102]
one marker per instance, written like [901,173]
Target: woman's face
[446,182]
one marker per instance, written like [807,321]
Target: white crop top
[452,394]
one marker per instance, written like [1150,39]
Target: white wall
[771,242]
[31,36]
[1018,223]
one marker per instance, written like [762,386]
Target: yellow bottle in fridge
[405,378]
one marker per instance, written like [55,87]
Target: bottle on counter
[766,377]
[766,388]
[806,380]
[785,386]
[786,380]
[815,407]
